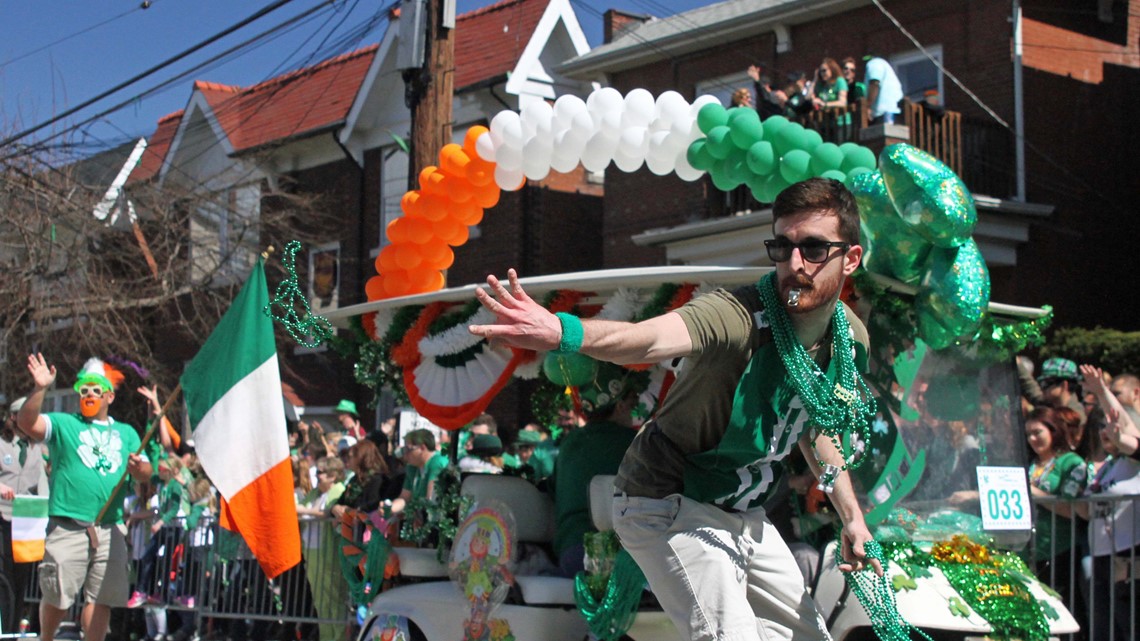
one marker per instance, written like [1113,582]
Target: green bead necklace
[834,410]
[308,329]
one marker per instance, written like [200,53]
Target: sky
[56,56]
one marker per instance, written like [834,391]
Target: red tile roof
[296,103]
[490,40]
[488,43]
[156,148]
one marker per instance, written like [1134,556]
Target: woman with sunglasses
[829,92]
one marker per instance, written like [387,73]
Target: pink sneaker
[137,600]
[184,601]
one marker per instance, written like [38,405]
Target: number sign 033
[1004,497]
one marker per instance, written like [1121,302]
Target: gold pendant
[844,394]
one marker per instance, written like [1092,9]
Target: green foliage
[1111,349]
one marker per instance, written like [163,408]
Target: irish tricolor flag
[29,527]
[233,395]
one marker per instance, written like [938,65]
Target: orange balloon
[480,172]
[470,138]
[459,190]
[374,288]
[386,261]
[447,229]
[409,204]
[453,160]
[487,196]
[419,230]
[397,284]
[460,237]
[422,280]
[431,181]
[397,231]
[433,208]
[437,254]
[467,213]
[408,256]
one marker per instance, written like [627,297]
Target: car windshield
[942,414]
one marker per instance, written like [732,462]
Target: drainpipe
[361,262]
[1018,104]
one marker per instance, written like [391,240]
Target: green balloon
[720,142]
[857,156]
[834,174]
[721,174]
[890,246]
[711,116]
[737,166]
[570,370]
[790,138]
[795,166]
[761,158]
[826,157]
[928,195]
[812,139]
[954,296]
[698,155]
[745,126]
[756,184]
[772,126]
[774,185]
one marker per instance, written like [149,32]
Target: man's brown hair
[823,195]
[420,437]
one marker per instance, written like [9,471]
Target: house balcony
[980,152]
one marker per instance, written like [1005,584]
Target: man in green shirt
[424,466]
[765,368]
[90,452]
[593,449]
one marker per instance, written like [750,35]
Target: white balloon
[485,147]
[563,160]
[686,128]
[661,165]
[538,117]
[611,124]
[626,162]
[639,108]
[671,107]
[567,107]
[509,157]
[571,142]
[634,142]
[536,158]
[683,169]
[509,129]
[583,122]
[701,101]
[508,179]
[599,151]
[605,100]
[659,147]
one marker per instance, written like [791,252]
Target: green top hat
[346,406]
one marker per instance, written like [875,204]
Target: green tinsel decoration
[610,616]
[438,518]
[306,328]
[361,588]
[656,305]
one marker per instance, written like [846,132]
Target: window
[324,276]
[224,233]
[917,73]
[724,86]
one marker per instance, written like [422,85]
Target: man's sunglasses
[851,69]
[90,390]
[812,251]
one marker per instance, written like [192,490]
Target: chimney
[617,22]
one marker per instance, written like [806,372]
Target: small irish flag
[233,397]
[29,527]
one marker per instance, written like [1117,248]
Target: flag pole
[155,423]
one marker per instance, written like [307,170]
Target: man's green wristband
[572,333]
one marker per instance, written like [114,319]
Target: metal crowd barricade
[215,576]
[1102,592]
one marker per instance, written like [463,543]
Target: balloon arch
[917,215]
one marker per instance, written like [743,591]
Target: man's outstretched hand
[520,322]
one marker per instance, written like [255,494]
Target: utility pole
[429,87]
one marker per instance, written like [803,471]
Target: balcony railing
[980,152]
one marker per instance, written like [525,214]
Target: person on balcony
[830,92]
[884,91]
[856,91]
[770,102]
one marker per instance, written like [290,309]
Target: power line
[162,65]
[73,35]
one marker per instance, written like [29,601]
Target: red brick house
[1071,221]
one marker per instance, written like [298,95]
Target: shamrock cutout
[902,582]
[959,608]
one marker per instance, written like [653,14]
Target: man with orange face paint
[89,452]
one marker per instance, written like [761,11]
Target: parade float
[941,372]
